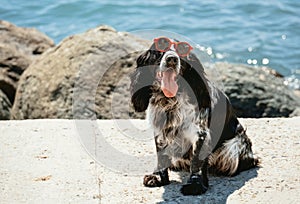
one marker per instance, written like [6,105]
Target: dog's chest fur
[176,123]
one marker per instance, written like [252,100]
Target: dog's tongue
[168,84]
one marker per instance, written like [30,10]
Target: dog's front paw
[195,186]
[152,180]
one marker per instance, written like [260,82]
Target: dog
[195,127]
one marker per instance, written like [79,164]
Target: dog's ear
[196,83]
[142,80]
[150,57]
[140,99]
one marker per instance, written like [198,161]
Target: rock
[12,65]
[5,107]
[257,92]
[85,76]
[18,48]
[28,41]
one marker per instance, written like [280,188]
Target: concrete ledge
[44,161]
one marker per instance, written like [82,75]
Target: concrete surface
[103,161]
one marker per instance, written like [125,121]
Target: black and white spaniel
[195,128]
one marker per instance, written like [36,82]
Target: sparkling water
[249,32]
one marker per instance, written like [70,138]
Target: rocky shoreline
[87,76]
[19,47]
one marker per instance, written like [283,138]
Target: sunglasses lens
[183,48]
[163,44]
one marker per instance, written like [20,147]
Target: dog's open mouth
[168,85]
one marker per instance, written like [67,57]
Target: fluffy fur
[188,135]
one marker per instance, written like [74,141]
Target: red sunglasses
[163,44]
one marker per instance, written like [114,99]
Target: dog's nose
[171,61]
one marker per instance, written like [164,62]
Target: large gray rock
[87,76]
[257,91]
[5,107]
[80,78]
[18,48]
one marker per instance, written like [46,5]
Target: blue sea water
[249,31]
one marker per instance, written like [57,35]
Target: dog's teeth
[159,75]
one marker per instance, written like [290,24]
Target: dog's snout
[170,60]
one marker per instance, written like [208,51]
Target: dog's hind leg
[198,181]
[233,157]
[247,160]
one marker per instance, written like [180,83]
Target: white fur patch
[185,128]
